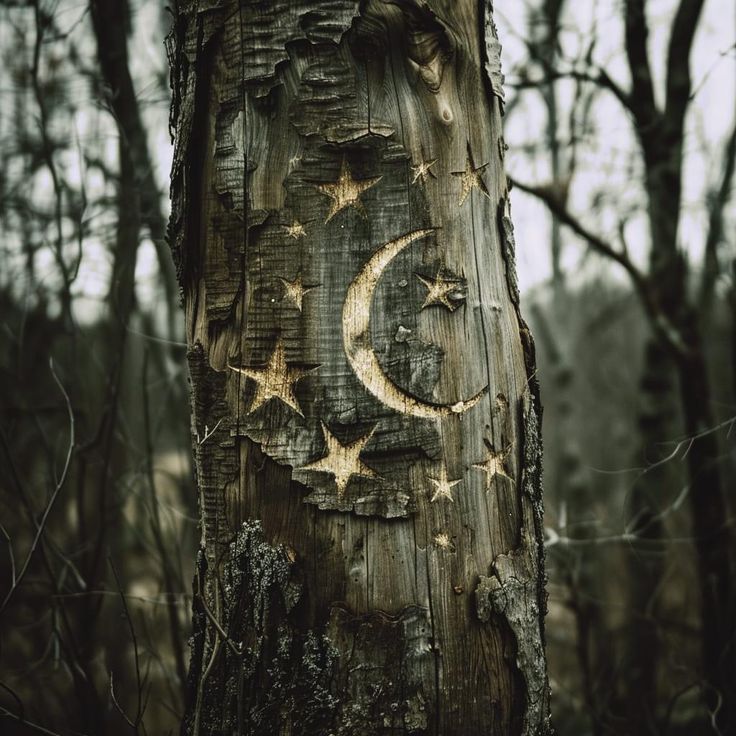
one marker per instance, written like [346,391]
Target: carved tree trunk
[365,411]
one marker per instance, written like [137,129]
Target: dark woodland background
[98,516]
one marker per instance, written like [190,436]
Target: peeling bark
[515,590]
[365,415]
[492,60]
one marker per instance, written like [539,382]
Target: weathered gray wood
[364,405]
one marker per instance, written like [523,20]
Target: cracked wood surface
[369,484]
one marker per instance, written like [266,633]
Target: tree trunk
[645,558]
[662,138]
[111,21]
[712,535]
[365,412]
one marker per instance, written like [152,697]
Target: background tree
[675,388]
[92,628]
[370,495]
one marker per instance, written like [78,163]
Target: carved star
[423,171]
[295,230]
[493,466]
[442,540]
[438,291]
[342,461]
[471,179]
[443,486]
[294,291]
[274,380]
[346,191]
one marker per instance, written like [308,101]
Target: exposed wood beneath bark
[354,153]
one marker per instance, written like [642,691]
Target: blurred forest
[623,165]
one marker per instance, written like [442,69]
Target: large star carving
[471,178]
[274,380]
[295,290]
[342,461]
[346,191]
[494,466]
[439,290]
[443,486]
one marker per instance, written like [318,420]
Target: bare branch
[643,104]
[50,505]
[11,554]
[234,646]
[659,321]
[168,570]
[126,613]
[556,205]
[33,726]
[716,207]
[678,61]
[119,707]
[596,76]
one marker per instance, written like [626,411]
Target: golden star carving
[443,541]
[295,230]
[438,291]
[493,466]
[443,486]
[423,171]
[274,380]
[471,179]
[342,461]
[346,191]
[294,291]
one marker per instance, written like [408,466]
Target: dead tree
[365,412]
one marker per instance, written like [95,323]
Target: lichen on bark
[387,667]
[276,676]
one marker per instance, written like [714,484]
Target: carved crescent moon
[356,335]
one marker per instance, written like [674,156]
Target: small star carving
[274,380]
[443,541]
[342,461]
[494,466]
[443,486]
[346,191]
[295,290]
[471,179]
[295,230]
[439,290]
[423,170]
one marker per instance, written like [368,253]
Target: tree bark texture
[365,413]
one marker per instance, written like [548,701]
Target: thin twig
[57,490]
[34,726]
[126,612]
[661,324]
